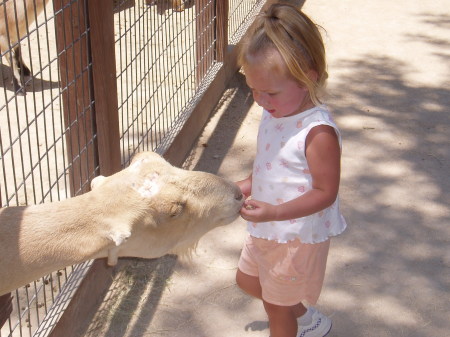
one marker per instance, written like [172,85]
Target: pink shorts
[289,273]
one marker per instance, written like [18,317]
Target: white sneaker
[319,327]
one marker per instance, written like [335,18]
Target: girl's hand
[258,211]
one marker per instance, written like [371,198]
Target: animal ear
[119,236]
[113,256]
[177,208]
[97,181]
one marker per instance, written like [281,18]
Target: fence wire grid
[165,60]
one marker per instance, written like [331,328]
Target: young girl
[294,185]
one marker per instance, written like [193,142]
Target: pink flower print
[301,145]
[287,278]
[279,127]
[301,189]
[280,201]
[293,221]
[268,166]
[254,224]
[299,124]
[257,169]
[284,163]
[267,146]
[327,224]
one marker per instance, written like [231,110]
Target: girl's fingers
[250,204]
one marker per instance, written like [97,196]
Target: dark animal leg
[23,69]
[20,71]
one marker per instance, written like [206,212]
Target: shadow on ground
[32,84]
[393,264]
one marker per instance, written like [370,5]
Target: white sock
[306,319]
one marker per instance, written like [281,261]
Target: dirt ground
[389,273]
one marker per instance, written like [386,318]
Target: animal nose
[239,196]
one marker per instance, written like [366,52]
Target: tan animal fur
[176,5]
[15,18]
[147,210]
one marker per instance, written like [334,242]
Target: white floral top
[281,173]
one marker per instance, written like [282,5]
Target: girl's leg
[282,320]
[249,284]
[299,310]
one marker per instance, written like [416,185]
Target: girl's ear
[312,75]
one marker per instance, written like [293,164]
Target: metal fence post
[72,46]
[101,24]
[222,9]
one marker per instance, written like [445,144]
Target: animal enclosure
[85,85]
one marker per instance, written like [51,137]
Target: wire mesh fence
[34,161]
[241,14]
[30,126]
[156,64]
[165,56]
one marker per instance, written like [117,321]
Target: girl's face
[275,91]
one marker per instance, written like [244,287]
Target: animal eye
[176,209]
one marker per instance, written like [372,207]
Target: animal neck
[37,240]
[74,226]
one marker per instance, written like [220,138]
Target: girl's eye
[257,92]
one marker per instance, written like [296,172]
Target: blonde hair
[288,30]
